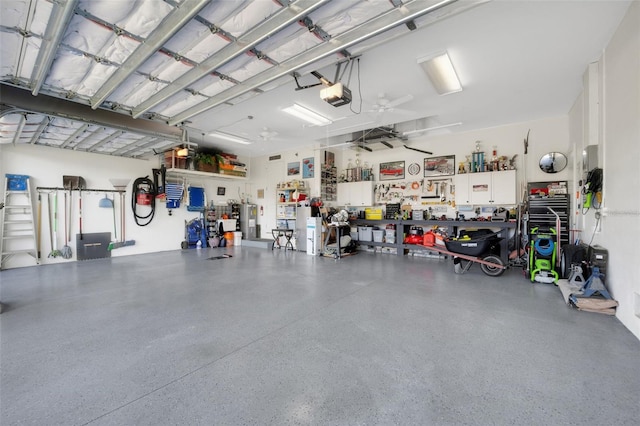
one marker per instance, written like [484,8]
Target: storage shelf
[503,230]
[185,172]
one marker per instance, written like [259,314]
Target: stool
[282,232]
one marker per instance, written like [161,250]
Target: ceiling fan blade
[399,101]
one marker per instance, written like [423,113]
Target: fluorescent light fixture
[230,138]
[440,71]
[307,115]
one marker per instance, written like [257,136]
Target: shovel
[75,182]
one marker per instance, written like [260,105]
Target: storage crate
[16,182]
[365,233]
[390,236]
[378,235]
[373,214]
[171,160]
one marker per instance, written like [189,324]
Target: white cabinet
[355,193]
[486,188]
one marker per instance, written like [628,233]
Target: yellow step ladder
[16,217]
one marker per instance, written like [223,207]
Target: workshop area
[319,212]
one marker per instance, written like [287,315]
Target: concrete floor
[275,337]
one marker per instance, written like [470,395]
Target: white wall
[266,175]
[46,166]
[545,136]
[619,156]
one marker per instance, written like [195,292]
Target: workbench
[403,226]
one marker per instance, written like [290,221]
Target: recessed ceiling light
[307,115]
[441,72]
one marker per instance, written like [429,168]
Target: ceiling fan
[384,105]
[267,134]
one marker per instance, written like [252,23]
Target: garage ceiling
[176,70]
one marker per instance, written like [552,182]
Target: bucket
[237,238]
[228,236]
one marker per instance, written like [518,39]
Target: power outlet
[636,304]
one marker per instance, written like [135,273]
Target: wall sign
[392,170]
[440,166]
[307,168]
[293,168]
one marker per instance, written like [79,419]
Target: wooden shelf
[184,172]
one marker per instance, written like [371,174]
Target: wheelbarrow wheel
[492,271]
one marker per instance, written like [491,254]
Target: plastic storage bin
[378,235]
[365,233]
[390,236]
[16,182]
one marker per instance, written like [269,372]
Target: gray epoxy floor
[284,338]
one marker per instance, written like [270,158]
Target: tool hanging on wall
[592,188]
[143,194]
[66,249]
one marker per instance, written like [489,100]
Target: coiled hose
[143,186]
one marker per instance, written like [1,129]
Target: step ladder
[16,217]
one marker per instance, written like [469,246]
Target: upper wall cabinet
[357,194]
[497,188]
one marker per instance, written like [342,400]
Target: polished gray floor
[274,337]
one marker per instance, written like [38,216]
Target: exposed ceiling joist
[60,18]
[56,107]
[395,17]
[246,42]
[41,128]
[75,135]
[163,32]
[105,141]
[21,124]
[140,144]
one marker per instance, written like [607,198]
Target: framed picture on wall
[307,168]
[440,166]
[293,168]
[392,170]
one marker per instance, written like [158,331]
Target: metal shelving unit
[541,216]
[328,183]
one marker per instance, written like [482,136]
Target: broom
[66,250]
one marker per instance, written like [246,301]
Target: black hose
[146,186]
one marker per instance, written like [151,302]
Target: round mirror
[553,162]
